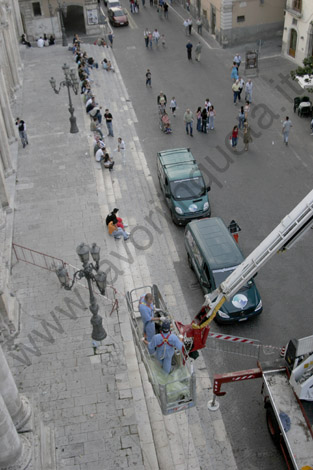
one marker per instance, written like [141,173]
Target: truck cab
[183,186]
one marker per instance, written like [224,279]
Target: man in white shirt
[40,42]
[121,148]
[237,60]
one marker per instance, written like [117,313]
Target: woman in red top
[234,137]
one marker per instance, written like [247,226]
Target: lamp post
[62,9]
[83,251]
[70,82]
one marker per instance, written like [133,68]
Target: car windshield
[190,188]
[221,274]
[119,13]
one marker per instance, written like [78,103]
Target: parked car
[112,3]
[183,185]
[118,16]
[213,255]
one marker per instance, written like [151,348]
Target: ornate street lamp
[100,278]
[70,82]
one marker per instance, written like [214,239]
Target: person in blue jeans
[188,119]
[241,117]
[163,345]
[108,120]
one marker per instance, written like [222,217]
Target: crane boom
[284,236]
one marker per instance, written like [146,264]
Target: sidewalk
[95,412]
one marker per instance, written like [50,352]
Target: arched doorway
[75,20]
[293,42]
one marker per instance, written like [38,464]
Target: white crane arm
[283,237]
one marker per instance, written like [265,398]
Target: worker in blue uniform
[163,345]
[146,309]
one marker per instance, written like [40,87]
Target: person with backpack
[163,346]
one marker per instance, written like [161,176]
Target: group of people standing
[153,38]
[237,88]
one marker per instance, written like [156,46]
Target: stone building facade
[298,30]
[11,29]
[44,17]
[236,21]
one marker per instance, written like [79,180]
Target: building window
[36,9]
[297,5]
[241,19]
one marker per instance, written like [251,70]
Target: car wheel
[173,218]
[272,425]
[190,262]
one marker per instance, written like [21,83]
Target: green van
[213,255]
[183,185]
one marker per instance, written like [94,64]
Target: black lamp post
[70,82]
[83,251]
[62,9]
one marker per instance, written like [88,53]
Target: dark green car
[213,255]
[183,185]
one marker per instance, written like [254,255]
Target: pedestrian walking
[241,118]
[198,50]
[287,124]
[311,126]
[246,109]
[188,119]
[150,39]
[246,135]
[211,114]
[235,88]
[151,3]
[234,138]
[189,26]
[121,148]
[108,120]
[165,10]
[234,73]
[189,47]
[110,38]
[173,105]
[241,85]
[198,116]
[148,78]
[186,24]
[207,104]
[156,37]
[162,101]
[146,37]
[199,26]
[160,11]
[237,60]
[163,41]
[163,345]
[248,91]
[22,131]
[204,118]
